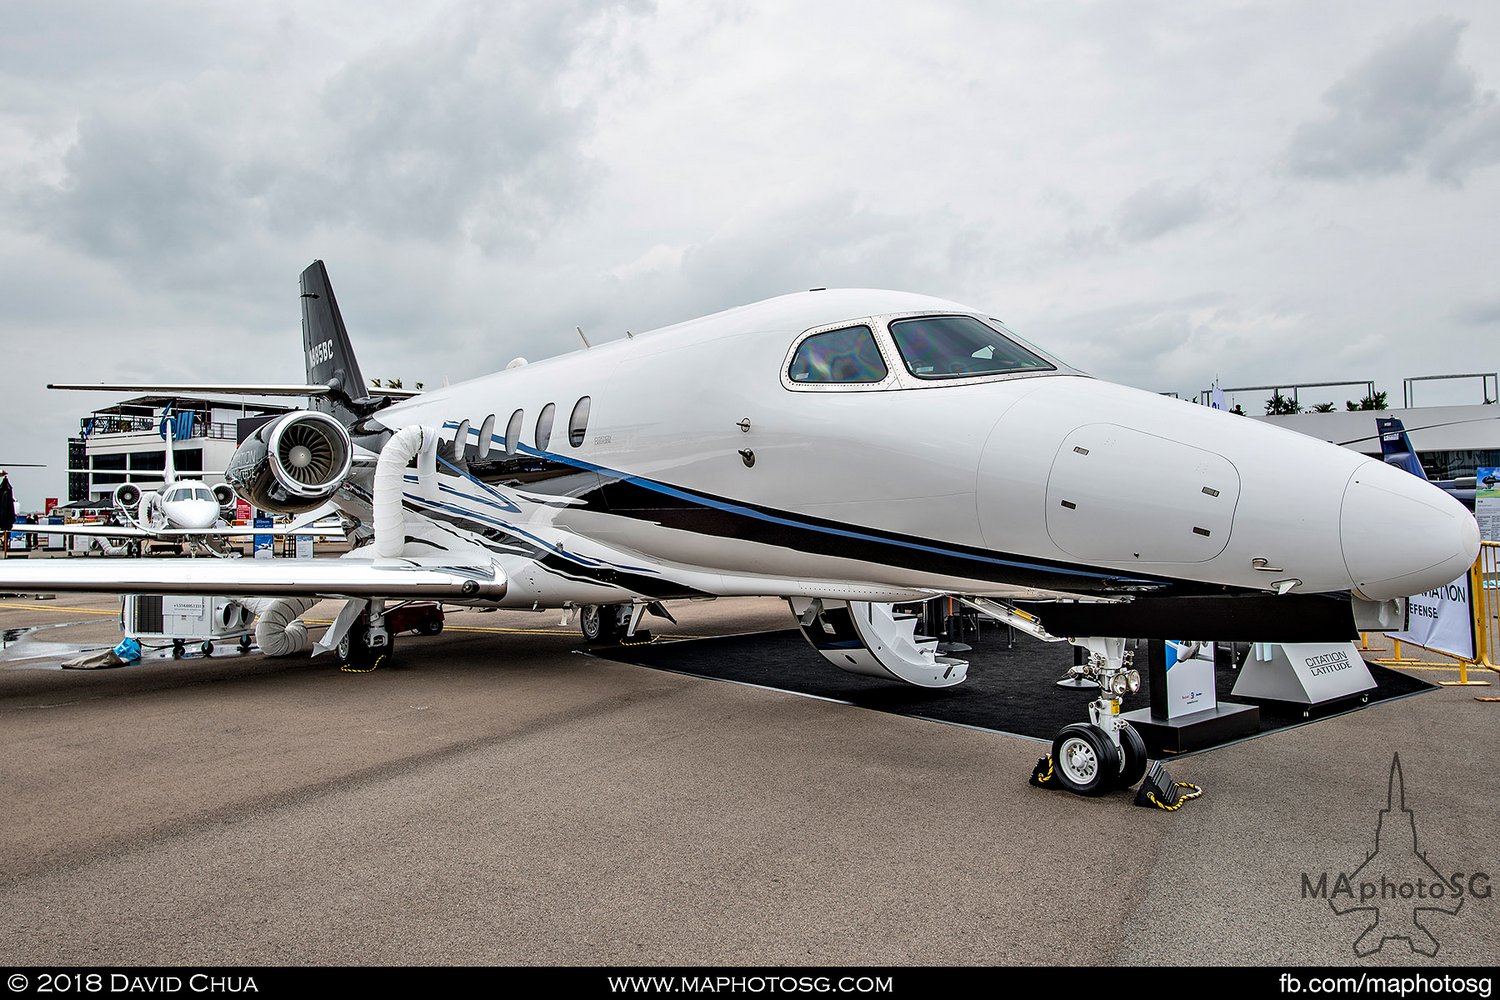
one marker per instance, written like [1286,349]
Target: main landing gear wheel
[600,624]
[1086,760]
[1133,762]
[355,654]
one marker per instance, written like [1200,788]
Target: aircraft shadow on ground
[1010,688]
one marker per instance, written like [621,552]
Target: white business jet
[848,451]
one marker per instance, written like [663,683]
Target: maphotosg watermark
[1396,889]
[1396,986]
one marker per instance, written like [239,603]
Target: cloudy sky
[1160,193]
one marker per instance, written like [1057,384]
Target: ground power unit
[181,619]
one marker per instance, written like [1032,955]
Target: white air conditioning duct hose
[279,629]
[390,485]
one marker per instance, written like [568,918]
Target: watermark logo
[1396,889]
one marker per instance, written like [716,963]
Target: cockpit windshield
[941,347]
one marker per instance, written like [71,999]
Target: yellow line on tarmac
[54,607]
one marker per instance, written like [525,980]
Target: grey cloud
[143,187]
[1180,344]
[61,40]
[1158,209]
[1482,312]
[462,132]
[1410,103]
[1472,144]
[828,242]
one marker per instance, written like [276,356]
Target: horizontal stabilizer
[223,388]
[172,388]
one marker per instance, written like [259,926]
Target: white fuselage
[703,461]
[186,504]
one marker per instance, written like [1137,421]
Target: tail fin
[330,358]
[1395,446]
[169,435]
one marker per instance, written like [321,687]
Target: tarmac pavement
[500,798]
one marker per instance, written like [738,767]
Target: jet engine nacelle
[127,497]
[292,464]
[225,496]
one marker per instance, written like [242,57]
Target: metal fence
[1484,584]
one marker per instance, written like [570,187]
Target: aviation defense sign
[1441,620]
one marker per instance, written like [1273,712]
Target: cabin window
[513,431]
[461,440]
[935,347]
[838,356]
[544,427]
[578,423]
[486,430]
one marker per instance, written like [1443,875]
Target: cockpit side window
[846,356]
[941,347]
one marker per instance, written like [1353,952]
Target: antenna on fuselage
[586,344]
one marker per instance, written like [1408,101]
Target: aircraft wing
[307,524]
[245,531]
[400,579]
[171,534]
[97,530]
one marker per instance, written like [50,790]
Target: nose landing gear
[1105,753]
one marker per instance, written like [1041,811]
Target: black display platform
[1010,688]
[1214,727]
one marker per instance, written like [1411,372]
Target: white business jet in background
[848,451]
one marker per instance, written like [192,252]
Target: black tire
[1085,759]
[600,624]
[1134,762]
[178,649]
[206,648]
[348,644]
[431,626]
[244,643]
[354,650]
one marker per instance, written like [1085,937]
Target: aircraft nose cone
[1401,535]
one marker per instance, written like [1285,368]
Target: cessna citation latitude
[848,451]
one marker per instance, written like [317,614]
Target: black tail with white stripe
[330,358]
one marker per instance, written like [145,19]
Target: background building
[123,443]
[1451,441]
